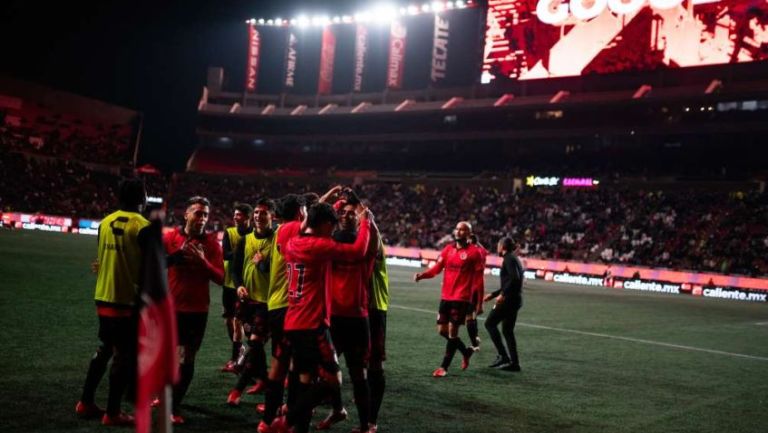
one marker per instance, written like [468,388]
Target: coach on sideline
[510,299]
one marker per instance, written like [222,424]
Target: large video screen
[532,39]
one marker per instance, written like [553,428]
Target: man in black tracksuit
[510,299]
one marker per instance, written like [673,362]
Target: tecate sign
[557,11]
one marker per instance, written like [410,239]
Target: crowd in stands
[47,133]
[40,184]
[712,232]
[54,186]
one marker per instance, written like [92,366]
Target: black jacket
[511,281]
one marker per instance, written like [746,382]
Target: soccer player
[377,318]
[308,259]
[195,258]
[251,269]
[350,331]
[233,236]
[477,297]
[509,301]
[460,260]
[291,211]
[121,239]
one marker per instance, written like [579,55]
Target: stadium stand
[38,120]
[715,232]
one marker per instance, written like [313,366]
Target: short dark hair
[287,207]
[320,213]
[265,201]
[311,198]
[244,208]
[507,243]
[132,192]
[198,199]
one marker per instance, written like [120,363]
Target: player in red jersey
[460,260]
[308,262]
[194,259]
[350,330]
[290,210]
[477,297]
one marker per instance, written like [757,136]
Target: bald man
[461,261]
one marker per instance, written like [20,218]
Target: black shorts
[253,316]
[191,329]
[312,351]
[377,320]
[454,312]
[228,302]
[351,337]
[120,333]
[475,302]
[276,323]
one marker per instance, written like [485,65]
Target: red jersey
[479,286]
[350,282]
[188,282]
[285,233]
[308,263]
[461,268]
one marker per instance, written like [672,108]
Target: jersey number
[295,270]
[118,231]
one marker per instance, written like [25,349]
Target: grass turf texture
[570,382]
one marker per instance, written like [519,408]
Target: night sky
[150,56]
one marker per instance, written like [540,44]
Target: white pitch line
[761,323]
[613,337]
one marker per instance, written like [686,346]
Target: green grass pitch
[594,360]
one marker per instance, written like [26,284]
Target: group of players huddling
[315,284]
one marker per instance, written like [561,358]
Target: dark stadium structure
[660,167]
[705,124]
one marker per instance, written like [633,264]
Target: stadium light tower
[363,17]
[320,21]
[384,13]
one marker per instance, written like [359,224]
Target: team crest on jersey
[463,256]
